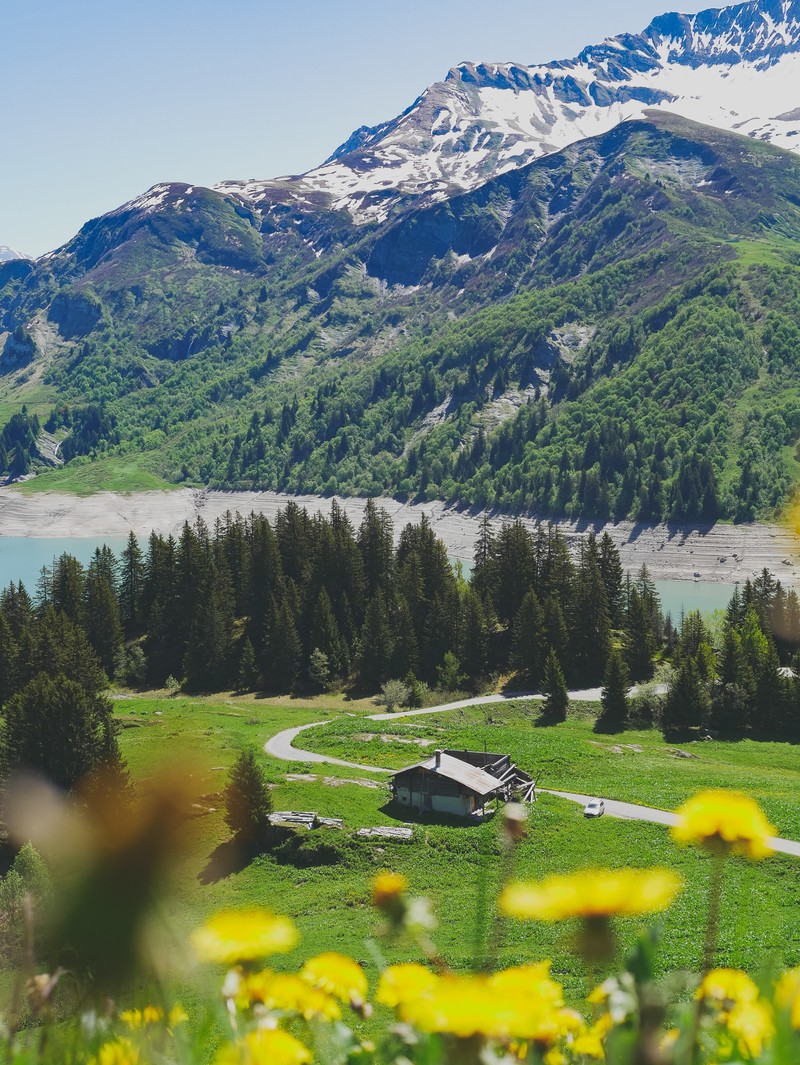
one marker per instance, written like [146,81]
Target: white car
[594,808]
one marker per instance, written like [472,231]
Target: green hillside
[610,331]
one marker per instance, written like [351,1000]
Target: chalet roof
[462,772]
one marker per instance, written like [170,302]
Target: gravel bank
[720,553]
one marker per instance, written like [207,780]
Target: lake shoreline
[718,553]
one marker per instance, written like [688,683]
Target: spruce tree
[555,691]
[131,586]
[687,702]
[248,667]
[282,650]
[56,727]
[614,696]
[528,644]
[248,803]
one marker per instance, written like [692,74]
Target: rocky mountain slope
[609,330]
[737,68]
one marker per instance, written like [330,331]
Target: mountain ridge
[609,330]
[736,68]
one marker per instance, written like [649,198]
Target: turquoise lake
[677,597]
[22,557]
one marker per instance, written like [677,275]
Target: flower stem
[712,925]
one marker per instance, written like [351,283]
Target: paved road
[282,746]
[630,811]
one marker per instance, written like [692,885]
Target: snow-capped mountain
[7,254]
[737,68]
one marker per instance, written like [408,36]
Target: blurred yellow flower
[528,980]
[337,975]
[400,983]
[787,995]
[243,935]
[152,1015]
[590,1042]
[267,1046]
[592,893]
[386,887]
[724,988]
[285,991]
[726,822]
[117,1052]
[751,1025]
[471,1005]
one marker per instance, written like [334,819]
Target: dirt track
[722,553]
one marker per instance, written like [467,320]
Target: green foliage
[628,359]
[555,690]
[247,800]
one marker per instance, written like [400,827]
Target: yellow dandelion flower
[243,935]
[528,980]
[337,975]
[467,1006]
[131,1018]
[152,1015]
[387,887]
[592,893]
[751,1025]
[400,983]
[267,1046]
[724,988]
[177,1015]
[787,995]
[590,1042]
[284,991]
[725,822]
[117,1052]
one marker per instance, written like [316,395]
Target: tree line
[308,602]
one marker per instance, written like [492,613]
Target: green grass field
[118,473]
[455,864]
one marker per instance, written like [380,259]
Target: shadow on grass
[228,858]
[408,816]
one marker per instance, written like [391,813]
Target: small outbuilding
[460,783]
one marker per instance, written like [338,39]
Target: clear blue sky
[103,98]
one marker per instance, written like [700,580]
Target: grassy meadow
[324,882]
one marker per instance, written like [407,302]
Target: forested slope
[612,330]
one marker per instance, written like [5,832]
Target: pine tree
[475,635]
[555,691]
[102,618]
[687,702]
[612,576]
[248,803]
[376,645]
[529,641]
[248,667]
[614,696]
[131,587]
[56,727]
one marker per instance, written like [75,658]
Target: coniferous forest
[311,603]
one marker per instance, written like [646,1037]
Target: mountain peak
[8,254]
[737,68]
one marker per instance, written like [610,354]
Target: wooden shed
[459,783]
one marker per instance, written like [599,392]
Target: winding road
[281,746]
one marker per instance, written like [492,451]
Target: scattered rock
[338,782]
[676,752]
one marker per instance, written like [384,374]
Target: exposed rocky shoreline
[719,553]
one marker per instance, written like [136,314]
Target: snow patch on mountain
[8,254]
[737,68]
